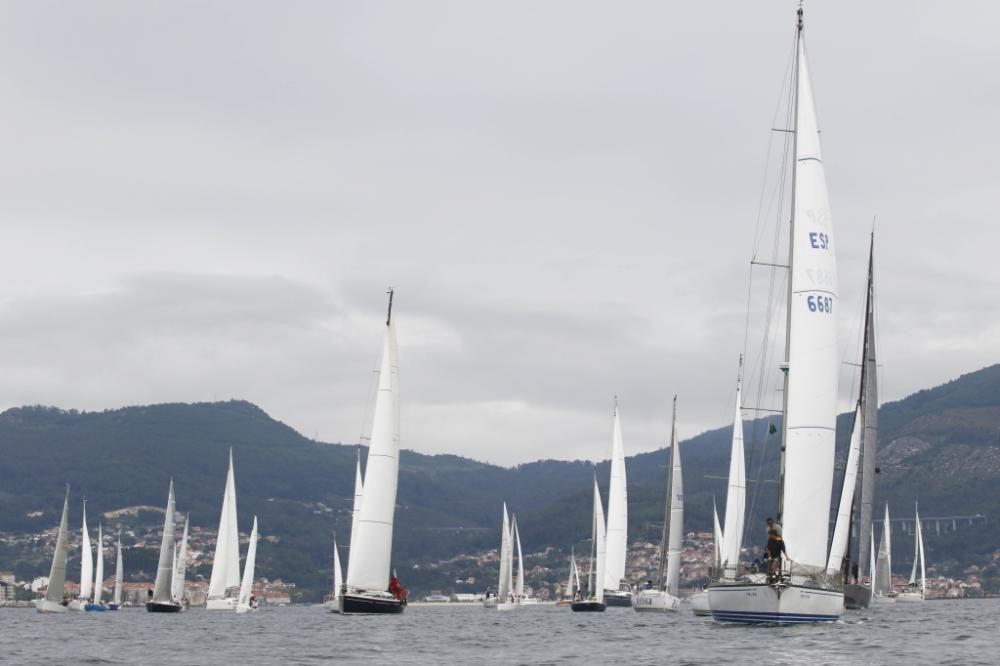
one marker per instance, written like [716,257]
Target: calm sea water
[935,632]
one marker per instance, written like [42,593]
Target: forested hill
[941,445]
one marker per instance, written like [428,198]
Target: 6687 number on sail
[819,303]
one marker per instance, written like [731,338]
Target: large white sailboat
[594,601]
[368,588]
[247,602]
[799,589]
[116,599]
[504,599]
[162,600]
[617,591]
[224,585]
[916,590]
[86,567]
[664,597]
[882,589]
[54,601]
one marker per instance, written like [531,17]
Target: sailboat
[594,601]
[699,600]
[162,600]
[97,604]
[798,589]
[519,597]
[916,591]
[332,603]
[180,567]
[617,591]
[86,567]
[882,590]
[573,584]
[116,600]
[54,601]
[504,599]
[368,588]
[664,596]
[248,602]
[224,585]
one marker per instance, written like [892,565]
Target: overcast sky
[208,200]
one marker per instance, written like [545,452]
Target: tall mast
[791,258]
[388,315]
[593,544]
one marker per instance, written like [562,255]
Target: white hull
[909,597]
[699,603]
[490,602]
[507,606]
[226,603]
[77,604]
[774,604]
[46,606]
[655,600]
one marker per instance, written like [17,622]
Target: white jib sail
[119,574]
[571,586]
[600,545]
[180,564]
[57,574]
[883,566]
[719,535]
[504,587]
[368,568]
[86,560]
[617,537]
[246,587]
[226,562]
[675,539]
[810,418]
[519,587]
[359,487]
[165,566]
[736,494]
[99,570]
[838,547]
[338,576]
[920,553]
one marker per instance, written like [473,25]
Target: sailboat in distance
[116,600]
[162,601]
[617,591]
[54,601]
[224,585]
[86,566]
[796,588]
[332,602]
[594,601]
[98,604]
[916,591]
[504,599]
[882,590]
[247,602]
[368,588]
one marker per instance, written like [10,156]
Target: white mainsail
[736,493]
[338,576]
[86,560]
[676,534]
[505,586]
[371,546]
[838,547]
[918,556]
[812,362]
[180,564]
[165,567]
[246,586]
[119,574]
[574,577]
[519,586]
[600,545]
[99,571]
[883,565]
[57,574]
[226,562]
[617,537]
[359,487]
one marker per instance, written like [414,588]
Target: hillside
[941,444]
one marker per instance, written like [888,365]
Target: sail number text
[819,240]
[819,303]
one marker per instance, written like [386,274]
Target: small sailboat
[368,588]
[332,604]
[180,567]
[116,600]
[86,567]
[162,600]
[617,590]
[248,602]
[54,601]
[98,604]
[573,584]
[224,585]
[699,600]
[882,590]
[594,601]
[916,590]
[664,596]
[796,589]
[505,587]
[519,585]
